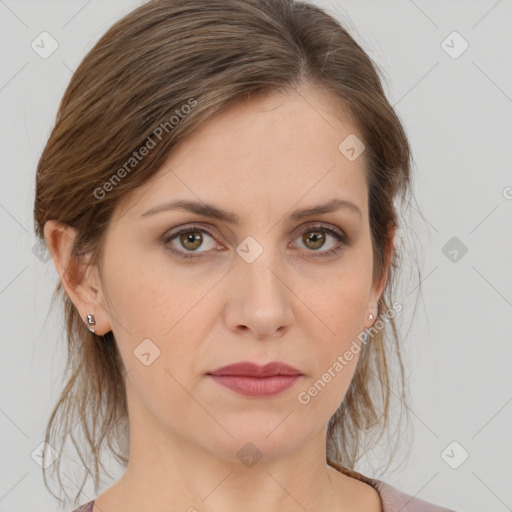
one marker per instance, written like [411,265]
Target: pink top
[392,500]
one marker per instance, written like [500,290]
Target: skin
[261,159]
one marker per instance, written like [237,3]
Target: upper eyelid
[208,227]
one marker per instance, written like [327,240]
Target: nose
[260,302]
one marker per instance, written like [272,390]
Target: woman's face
[266,288]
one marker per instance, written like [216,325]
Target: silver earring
[370,316]
[90,322]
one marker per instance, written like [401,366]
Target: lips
[253,370]
[253,380]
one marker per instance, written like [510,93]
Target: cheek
[158,311]
[339,304]
[143,295]
[338,293]
[334,351]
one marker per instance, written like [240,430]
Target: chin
[258,441]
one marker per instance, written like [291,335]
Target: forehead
[281,148]
[299,119]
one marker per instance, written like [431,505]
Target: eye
[314,238]
[190,238]
[186,242]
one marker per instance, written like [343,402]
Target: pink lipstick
[251,379]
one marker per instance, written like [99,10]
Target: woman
[218,198]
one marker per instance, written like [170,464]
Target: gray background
[457,113]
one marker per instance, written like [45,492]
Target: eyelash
[343,240]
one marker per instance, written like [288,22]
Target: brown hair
[139,76]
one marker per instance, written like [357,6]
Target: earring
[91,322]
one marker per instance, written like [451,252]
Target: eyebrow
[209,210]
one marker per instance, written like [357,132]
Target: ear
[80,280]
[378,287]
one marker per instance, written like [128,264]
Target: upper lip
[249,369]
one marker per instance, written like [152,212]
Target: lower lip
[257,386]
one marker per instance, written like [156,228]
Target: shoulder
[394,500]
[86,507]
[391,499]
